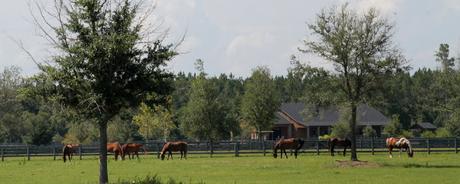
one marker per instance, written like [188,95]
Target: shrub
[428,134]
[325,137]
[340,130]
[150,180]
[443,132]
[368,131]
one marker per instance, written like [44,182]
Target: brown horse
[283,144]
[115,148]
[174,146]
[401,143]
[68,150]
[332,142]
[132,148]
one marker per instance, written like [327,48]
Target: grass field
[308,168]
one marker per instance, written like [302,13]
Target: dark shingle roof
[426,125]
[329,116]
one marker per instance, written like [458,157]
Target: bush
[151,180]
[340,130]
[325,137]
[407,134]
[368,131]
[443,132]
[428,134]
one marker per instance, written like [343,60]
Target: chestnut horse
[68,150]
[401,143]
[132,148]
[283,144]
[332,142]
[115,148]
[174,146]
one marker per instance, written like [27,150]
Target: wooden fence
[235,148]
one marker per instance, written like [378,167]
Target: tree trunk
[103,171]
[354,156]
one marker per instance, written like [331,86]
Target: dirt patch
[356,164]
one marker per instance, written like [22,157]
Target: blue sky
[234,36]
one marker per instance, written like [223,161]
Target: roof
[329,116]
[425,125]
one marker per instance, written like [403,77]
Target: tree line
[225,101]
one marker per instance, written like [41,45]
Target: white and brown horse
[401,143]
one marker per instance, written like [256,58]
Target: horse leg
[332,150]
[344,150]
[295,154]
[389,151]
[285,154]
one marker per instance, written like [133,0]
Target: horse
[116,149]
[174,146]
[283,144]
[132,148]
[68,150]
[401,143]
[332,142]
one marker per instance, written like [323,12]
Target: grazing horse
[174,146]
[115,148]
[401,143]
[332,142]
[132,148]
[68,150]
[283,144]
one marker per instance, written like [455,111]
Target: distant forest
[425,95]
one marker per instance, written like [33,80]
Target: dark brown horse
[115,148]
[345,143]
[68,150]
[401,143]
[174,146]
[132,148]
[283,144]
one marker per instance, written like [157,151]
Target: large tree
[205,116]
[260,101]
[360,47]
[106,60]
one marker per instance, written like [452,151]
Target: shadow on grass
[426,165]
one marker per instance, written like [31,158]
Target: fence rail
[235,148]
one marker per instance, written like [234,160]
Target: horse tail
[63,154]
[145,150]
[301,142]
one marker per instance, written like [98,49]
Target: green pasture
[308,168]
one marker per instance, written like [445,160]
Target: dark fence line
[370,145]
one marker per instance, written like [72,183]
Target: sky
[235,36]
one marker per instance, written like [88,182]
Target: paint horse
[133,148]
[283,144]
[116,149]
[174,146]
[68,150]
[401,143]
[333,142]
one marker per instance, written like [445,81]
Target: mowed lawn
[308,168]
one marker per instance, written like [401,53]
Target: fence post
[28,152]
[455,144]
[263,146]
[361,143]
[428,145]
[237,149]
[212,148]
[372,145]
[54,151]
[317,147]
[80,151]
[3,154]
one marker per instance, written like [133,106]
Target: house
[423,126]
[291,122]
